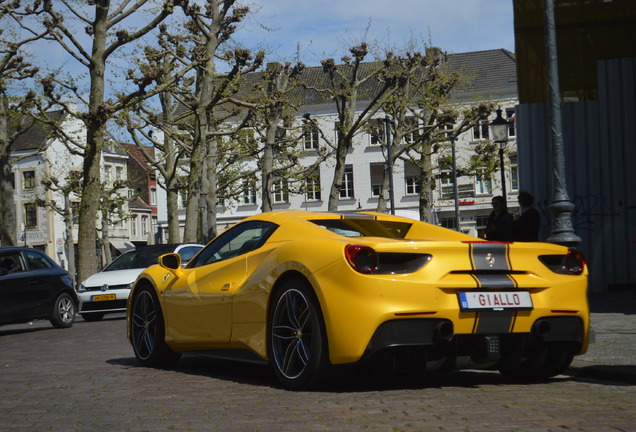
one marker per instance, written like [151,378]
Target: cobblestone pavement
[86,379]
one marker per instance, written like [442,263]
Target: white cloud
[331,26]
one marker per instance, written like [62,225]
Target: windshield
[141,258]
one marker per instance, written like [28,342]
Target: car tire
[64,310]
[555,359]
[90,317]
[297,340]
[147,331]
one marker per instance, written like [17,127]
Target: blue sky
[325,28]
[319,29]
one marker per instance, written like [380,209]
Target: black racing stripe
[490,256]
[495,322]
[495,280]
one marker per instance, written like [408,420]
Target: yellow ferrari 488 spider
[311,291]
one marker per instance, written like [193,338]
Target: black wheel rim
[144,324]
[291,334]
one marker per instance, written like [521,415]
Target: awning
[122,245]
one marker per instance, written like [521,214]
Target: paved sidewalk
[612,351]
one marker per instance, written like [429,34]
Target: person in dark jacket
[526,226]
[499,221]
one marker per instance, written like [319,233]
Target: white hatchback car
[107,291]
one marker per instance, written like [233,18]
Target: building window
[311,137]
[280,190]
[514,173]
[249,192]
[377,132]
[483,184]
[377,175]
[144,226]
[312,187]
[153,196]
[412,132]
[411,179]
[338,131]
[448,223]
[448,128]
[480,131]
[511,117]
[119,172]
[481,221]
[133,226]
[28,180]
[108,175]
[346,189]
[75,210]
[446,180]
[30,215]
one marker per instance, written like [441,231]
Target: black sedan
[33,286]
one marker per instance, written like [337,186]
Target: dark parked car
[33,286]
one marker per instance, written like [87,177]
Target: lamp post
[452,137]
[499,130]
[389,161]
[561,207]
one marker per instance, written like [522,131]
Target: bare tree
[211,26]
[108,27]
[347,85]
[421,116]
[69,187]
[13,67]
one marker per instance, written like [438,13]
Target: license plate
[495,300]
[105,297]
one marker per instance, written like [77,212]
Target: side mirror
[171,261]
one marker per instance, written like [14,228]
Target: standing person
[499,221]
[526,226]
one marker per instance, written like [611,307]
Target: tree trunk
[8,227]
[70,242]
[212,192]
[338,174]
[106,238]
[426,186]
[91,186]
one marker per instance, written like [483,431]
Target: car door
[41,281]
[15,301]
[26,288]
[198,306]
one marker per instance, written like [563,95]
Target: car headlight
[81,288]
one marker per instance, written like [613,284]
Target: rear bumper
[431,344]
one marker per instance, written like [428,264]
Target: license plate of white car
[105,297]
[495,300]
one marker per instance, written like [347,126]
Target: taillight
[572,263]
[363,259]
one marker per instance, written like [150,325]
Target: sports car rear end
[408,303]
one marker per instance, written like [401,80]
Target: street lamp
[452,137]
[389,152]
[499,129]
[561,207]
